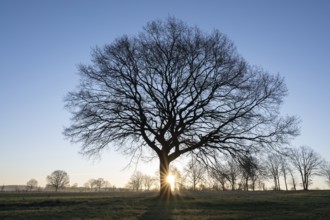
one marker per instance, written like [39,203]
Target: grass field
[197,205]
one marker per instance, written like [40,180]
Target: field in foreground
[198,205]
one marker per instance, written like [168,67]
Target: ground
[146,205]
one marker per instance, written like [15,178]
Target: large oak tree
[175,89]
[58,179]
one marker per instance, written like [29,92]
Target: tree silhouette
[31,184]
[307,162]
[58,179]
[148,181]
[173,89]
[99,183]
[136,181]
[195,173]
[233,171]
[325,170]
[273,164]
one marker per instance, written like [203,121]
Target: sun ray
[171,180]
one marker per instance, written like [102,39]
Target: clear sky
[42,42]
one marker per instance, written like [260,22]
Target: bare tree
[233,172]
[148,182]
[219,173]
[257,173]
[251,172]
[293,179]
[261,184]
[173,89]
[307,162]
[107,185]
[58,179]
[90,184]
[284,169]
[31,184]
[136,181]
[99,183]
[325,171]
[195,173]
[245,164]
[273,166]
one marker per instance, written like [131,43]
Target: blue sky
[42,42]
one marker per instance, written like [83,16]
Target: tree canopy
[175,89]
[58,179]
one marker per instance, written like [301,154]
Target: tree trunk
[303,178]
[194,183]
[293,180]
[275,183]
[233,182]
[306,183]
[246,187]
[286,185]
[232,186]
[294,183]
[165,188]
[278,183]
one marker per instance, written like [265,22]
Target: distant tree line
[282,170]
[286,170]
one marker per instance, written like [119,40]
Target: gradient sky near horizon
[42,42]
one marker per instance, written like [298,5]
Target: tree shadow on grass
[159,210]
[163,209]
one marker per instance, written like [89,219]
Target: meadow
[145,205]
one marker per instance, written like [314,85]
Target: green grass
[192,205]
